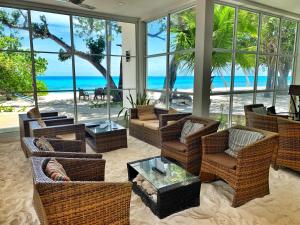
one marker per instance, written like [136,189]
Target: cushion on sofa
[239,138]
[222,159]
[174,146]
[152,124]
[146,112]
[43,144]
[172,111]
[55,171]
[189,128]
[34,113]
[260,110]
[137,122]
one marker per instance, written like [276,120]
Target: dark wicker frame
[151,136]
[58,127]
[63,148]
[289,144]
[250,179]
[87,199]
[191,158]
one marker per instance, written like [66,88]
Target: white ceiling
[288,5]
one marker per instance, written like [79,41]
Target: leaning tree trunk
[270,76]
[283,78]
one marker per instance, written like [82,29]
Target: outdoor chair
[25,118]
[57,129]
[83,94]
[86,199]
[148,130]
[288,154]
[248,173]
[187,154]
[62,148]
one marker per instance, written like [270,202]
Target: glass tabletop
[174,174]
[103,127]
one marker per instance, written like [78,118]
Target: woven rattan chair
[63,148]
[289,144]
[248,174]
[86,199]
[148,131]
[58,127]
[187,155]
[24,120]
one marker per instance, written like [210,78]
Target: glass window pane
[117,106]
[269,34]
[61,102]
[157,36]
[283,102]
[15,72]
[265,98]
[221,71]
[238,114]
[244,72]
[57,74]
[247,30]
[288,36]
[89,35]
[284,75]
[89,77]
[157,98]
[223,26]
[219,109]
[182,30]
[51,32]
[182,72]
[266,72]
[182,102]
[156,73]
[114,38]
[14,26]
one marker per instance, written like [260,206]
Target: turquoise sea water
[153,82]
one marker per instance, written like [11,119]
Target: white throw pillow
[238,139]
[189,128]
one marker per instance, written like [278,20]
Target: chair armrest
[49,114]
[215,143]
[84,169]
[59,121]
[104,202]
[164,118]
[61,154]
[172,132]
[66,145]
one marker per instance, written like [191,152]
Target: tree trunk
[270,75]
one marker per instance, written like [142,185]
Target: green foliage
[6,108]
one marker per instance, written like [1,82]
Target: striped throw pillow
[239,138]
[55,171]
[43,144]
[189,128]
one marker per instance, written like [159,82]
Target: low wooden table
[177,189]
[105,136]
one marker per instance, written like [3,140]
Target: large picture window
[252,62]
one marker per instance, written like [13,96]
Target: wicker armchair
[289,144]
[248,174]
[58,127]
[87,199]
[148,131]
[63,148]
[24,120]
[187,155]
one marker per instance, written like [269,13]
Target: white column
[141,52]
[203,57]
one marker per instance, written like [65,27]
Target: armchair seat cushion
[174,145]
[222,159]
[70,136]
[152,124]
[137,122]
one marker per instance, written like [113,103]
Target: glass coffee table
[105,136]
[177,189]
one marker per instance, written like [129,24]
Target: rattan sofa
[86,199]
[248,174]
[62,148]
[24,120]
[289,144]
[148,131]
[58,127]
[188,155]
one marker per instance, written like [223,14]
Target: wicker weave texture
[250,179]
[87,199]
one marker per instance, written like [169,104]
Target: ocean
[153,82]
